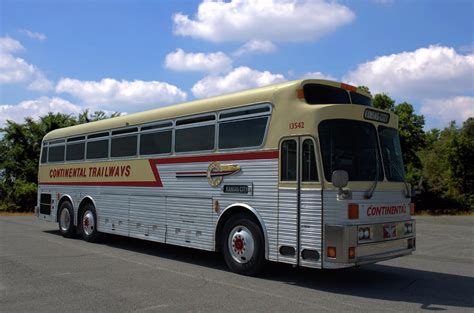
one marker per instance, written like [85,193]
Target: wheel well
[227,215]
[61,201]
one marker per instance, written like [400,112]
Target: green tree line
[19,154]
[438,163]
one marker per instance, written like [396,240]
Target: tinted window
[323,94]
[310,172]
[350,146]
[239,134]
[75,151]
[155,143]
[245,112]
[124,146]
[98,149]
[56,154]
[357,98]
[198,119]
[44,155]
[391,153]
[288,160]
[195,138]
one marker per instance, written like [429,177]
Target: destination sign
[376,116]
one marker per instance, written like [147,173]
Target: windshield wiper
[369,193]
[392,165]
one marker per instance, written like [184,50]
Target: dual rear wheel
[86,224]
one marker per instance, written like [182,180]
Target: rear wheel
[66,220]
[88,224]
[243,245]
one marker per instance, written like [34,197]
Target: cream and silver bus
[305,172]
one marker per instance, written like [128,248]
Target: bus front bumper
[344,249]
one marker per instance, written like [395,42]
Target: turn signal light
[353,211]
[352,252]
[412,208]
[331,252]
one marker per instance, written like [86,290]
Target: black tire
[237,258]
[88,224]
[66,220]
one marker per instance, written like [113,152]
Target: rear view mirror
[340,178]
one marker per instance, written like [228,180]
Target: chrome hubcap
[64,220]
[241,244]
[88,223]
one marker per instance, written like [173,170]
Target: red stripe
[106,183]
[219,157]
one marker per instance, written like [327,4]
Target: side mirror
[340,178]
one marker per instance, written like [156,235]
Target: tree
[19,155]
[384,102]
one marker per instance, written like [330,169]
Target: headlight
[408,228]
[364,233]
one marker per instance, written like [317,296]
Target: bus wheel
[66,220]
[243,245]
[89,224]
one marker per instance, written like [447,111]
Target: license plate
[389,231]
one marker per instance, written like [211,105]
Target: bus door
[299,203]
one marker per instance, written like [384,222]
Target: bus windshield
[350,146]
[392,154]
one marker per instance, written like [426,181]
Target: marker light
[331,252]
[412,208]
[348,87]
[353,211]
[352,252]
[300,94]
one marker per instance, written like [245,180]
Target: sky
[128,56]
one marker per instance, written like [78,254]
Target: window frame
[124,132]
[57,143]
[105,137]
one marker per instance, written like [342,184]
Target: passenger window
[56,153]
[155,143]
[75,151]
[98,149]
[243,133]
[124,146]
[44,155]
[310,173]
[199,138]
[288,160]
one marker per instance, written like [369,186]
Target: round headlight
[366,233]
[361,234]
[410,228]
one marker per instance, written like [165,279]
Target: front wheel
[89,224]
[243,245]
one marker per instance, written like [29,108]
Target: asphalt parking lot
[42,271]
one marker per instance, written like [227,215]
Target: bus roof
[226,101]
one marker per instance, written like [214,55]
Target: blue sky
[127,56]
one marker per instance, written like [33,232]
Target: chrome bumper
[344,237]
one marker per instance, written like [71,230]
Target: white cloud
[201,62]
[317,75]
[457,109]
[16,70]
[36,108]
[239,79]
[424,73]
[256,46]
[34,35]
[274,20]
[115,95]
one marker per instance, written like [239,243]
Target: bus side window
[288,161]
[310,172]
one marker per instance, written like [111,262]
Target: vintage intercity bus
[305,172]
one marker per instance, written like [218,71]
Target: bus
[305,172]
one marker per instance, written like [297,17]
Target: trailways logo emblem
[215,173]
